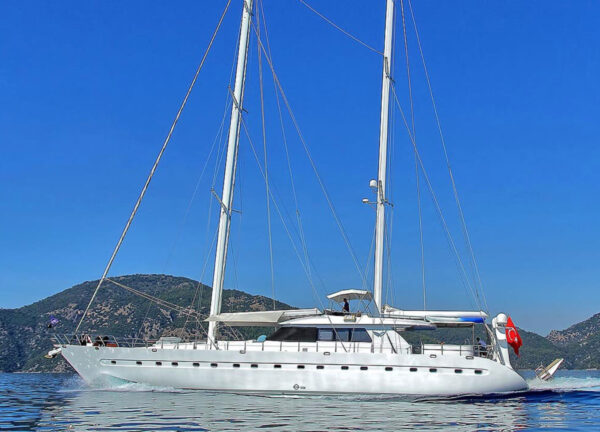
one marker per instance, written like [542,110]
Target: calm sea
[49,402]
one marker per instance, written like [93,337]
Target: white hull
[293,372]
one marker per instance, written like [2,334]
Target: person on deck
[482,347]
[346,307]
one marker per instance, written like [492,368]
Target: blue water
[54,402]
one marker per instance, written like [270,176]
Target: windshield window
[294,334]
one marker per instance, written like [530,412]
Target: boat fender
[53,353]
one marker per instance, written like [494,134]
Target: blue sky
[89,91]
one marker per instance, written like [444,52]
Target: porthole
[320,367]
[113,362]
[236,365]
[300,366]
[389,369]
[344,367]
[196,364]
[158,363]
[139,363]
[253,365]
[277,366]
[364,368]
[458,371]
[214,365]
[432,370]
[478,371]
[413,369]
[174,364]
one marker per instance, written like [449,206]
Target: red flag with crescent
[512,336]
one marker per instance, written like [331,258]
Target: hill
[25,338]
[580,342]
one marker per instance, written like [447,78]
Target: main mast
[230,167]
[383,143]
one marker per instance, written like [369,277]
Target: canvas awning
[261,318]
[350,294]
[440,318]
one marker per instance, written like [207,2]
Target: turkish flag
[512,336]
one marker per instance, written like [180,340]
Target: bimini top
[350,294]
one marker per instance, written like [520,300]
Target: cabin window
[158,363]
[253,365]
[413,369]
[320,367]
[138,363]
[174,364]
[343,335]
[277,366]
[294,334]
[236,365]
[326,334]
[458,371]
[344,367]
[478,371]
[196,364]
[364,368]
[389,369]
[432,370]
[360,335]
[300,366]
[214,365]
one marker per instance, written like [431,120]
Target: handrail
[110,341]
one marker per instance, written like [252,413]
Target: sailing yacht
[312,351]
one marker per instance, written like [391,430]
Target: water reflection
[50,402]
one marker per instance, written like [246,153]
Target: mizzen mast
[230,168]
[383,143]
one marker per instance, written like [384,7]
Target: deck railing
[100,340]
[282,346]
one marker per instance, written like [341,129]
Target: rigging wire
[189,311]
[436,203]
[351,36]
[304,266]
[307,265]
[417,174]
[287,152]
[185,311]
[200,285]
[216,139]
[266,163]
[272,197]
[443,142]
[152,171]
[391,153]
[312,162]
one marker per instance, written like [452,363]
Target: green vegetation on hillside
[25,338]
